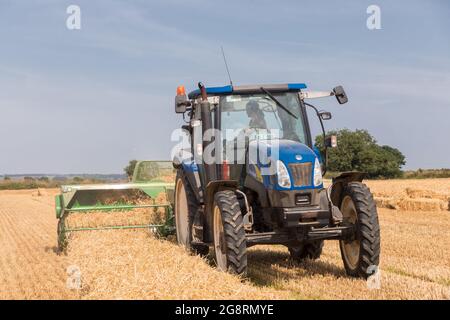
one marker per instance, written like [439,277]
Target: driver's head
[252,108]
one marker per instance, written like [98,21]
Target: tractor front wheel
[230,245]
[361,253]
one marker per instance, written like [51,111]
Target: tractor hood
[287,151]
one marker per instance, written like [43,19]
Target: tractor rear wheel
[187,213]
[310,250]
[361,254]
[230,245]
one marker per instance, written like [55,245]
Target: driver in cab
[256,116]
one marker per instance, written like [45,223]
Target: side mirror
[331,142]
[181,102]
[324,115]
[340,94]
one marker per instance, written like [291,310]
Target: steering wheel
[267,107]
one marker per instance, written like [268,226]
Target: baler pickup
[145,203]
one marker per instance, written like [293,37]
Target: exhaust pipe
[205,108]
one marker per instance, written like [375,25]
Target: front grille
[301,173]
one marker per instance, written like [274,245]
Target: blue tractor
[250,174]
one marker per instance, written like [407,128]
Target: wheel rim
[181,214]
[350,249]
[219,240]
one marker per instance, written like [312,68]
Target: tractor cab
[252,122]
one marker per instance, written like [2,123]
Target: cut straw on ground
[134,264]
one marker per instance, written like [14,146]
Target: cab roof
[248,89]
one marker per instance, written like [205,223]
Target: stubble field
[415,257]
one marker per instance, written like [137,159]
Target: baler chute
[145,202]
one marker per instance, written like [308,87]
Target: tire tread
[368,229]
[233,227]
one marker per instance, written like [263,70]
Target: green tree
[77,179]
[129,169]
[358,151]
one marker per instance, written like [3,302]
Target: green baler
[150,179]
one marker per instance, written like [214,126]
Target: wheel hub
[351,246]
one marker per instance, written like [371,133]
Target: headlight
[317,174]
[283,175]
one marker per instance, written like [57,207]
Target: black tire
[62,237]
[187,219]
[230,246]
[310,250]
[361,256]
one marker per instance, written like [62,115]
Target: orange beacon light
[181,91]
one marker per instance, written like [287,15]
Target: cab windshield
[259,116]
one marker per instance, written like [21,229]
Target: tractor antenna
[226,65]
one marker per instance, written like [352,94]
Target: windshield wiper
[278,102]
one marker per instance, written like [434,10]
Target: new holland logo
[298,157]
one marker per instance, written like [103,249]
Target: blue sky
[87,101]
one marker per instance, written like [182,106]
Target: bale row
[414,200]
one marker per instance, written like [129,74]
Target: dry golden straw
[133,264]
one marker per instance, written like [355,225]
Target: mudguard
[339,182]
[190,168]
